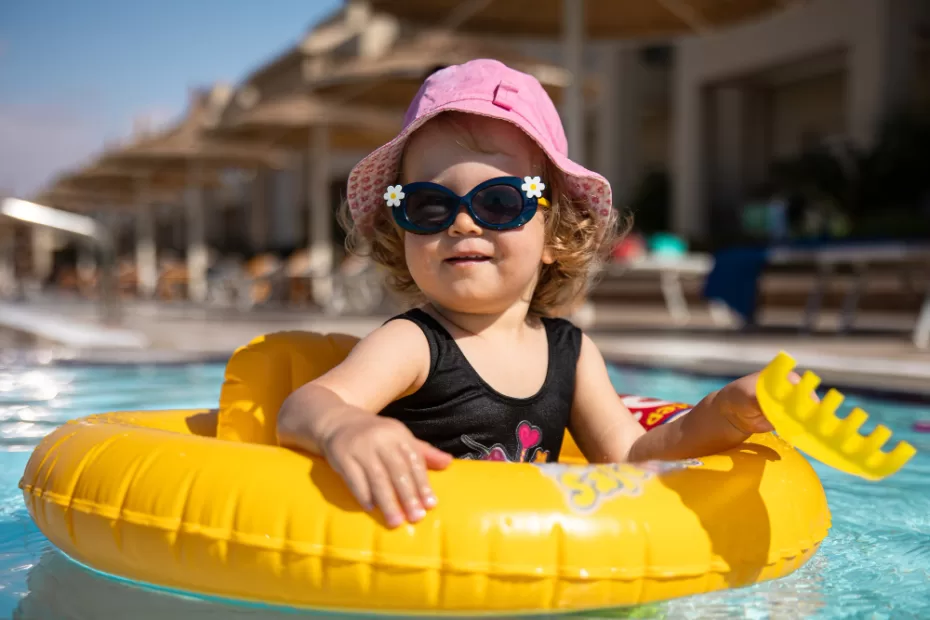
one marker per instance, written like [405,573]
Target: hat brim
[373,174]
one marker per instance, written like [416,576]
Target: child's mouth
[467,260]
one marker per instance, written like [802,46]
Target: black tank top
[456,411]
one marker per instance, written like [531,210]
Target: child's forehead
[453,137]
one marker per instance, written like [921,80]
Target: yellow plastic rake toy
[813,427]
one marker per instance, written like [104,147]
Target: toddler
[485,224]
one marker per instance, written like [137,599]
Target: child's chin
[473,300]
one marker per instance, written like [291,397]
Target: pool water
[874,564]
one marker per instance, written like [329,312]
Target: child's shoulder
[572,340]
[393,338]
[395,345]
[559,320]
[562,325]
[402,329]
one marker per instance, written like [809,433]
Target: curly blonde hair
[578,239]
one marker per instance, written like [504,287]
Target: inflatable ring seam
[52,449]
[374,558]
[82,467]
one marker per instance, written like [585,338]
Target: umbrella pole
[88,259]
[146,252]
[196,248]
[573,22]
[321,221]
[7,273]
[43,242]
[258,212]
[106,269]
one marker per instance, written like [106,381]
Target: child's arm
[335,416]
[606,431]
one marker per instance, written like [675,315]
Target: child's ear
[548,256]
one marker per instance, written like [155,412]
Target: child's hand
[739,405]
[384,464]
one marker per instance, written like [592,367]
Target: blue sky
[74,73]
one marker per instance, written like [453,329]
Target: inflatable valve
[815,429]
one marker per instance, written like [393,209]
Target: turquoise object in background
[667,244]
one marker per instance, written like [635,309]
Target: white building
[726,105]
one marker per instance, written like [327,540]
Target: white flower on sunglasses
[394,195]
[533,187]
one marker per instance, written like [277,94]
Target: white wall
[813,106]
[870,33]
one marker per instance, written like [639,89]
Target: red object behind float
[651,412]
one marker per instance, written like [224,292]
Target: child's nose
[463,224]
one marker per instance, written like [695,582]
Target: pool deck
[884,361]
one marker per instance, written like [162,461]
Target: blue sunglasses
[502,203]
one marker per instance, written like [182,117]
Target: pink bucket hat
[489,88]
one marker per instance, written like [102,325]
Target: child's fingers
[403,480]
[420,478]
[382,491]
[356,480]
[433,456]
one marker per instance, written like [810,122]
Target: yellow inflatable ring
[177,499]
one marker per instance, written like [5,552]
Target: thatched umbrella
[602,19]
[300,120]
[393,78]
[132,188]
[73,198]
[109,177]
[575,19]
[187,144]
[288,120]
[66,195]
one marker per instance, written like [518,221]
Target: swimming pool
[875,563]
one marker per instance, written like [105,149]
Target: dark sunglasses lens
[498,204]
[429,208]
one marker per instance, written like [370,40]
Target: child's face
[509,271]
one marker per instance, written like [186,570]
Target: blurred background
[170,170]
[774,153]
